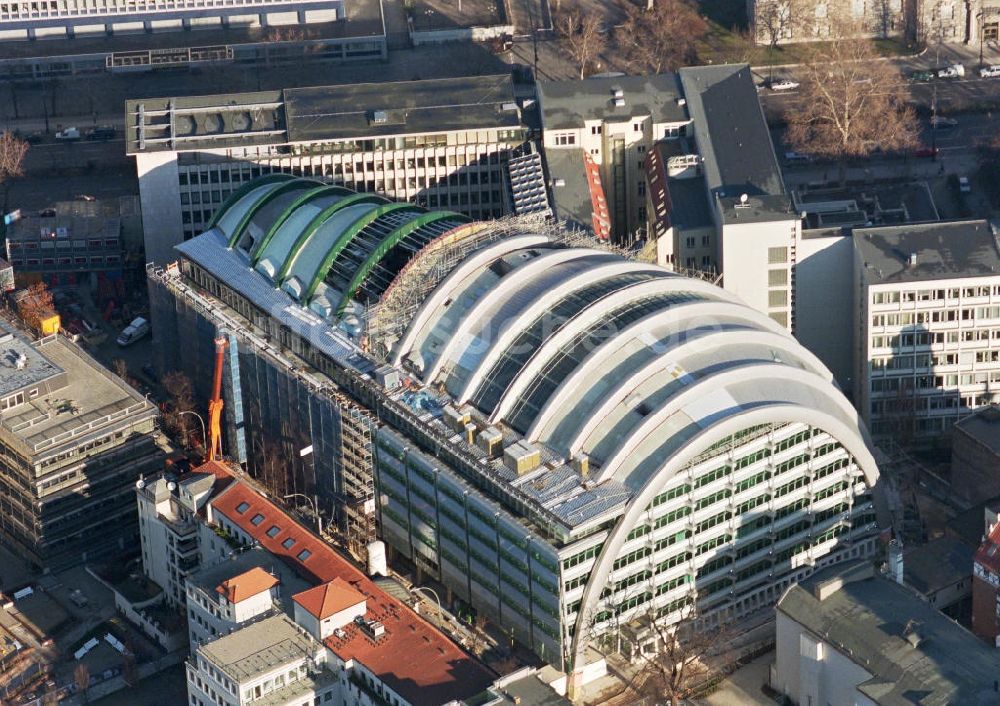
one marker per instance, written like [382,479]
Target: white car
[784,84]
[964,186]
[953,71]
[990,71]
[133,332]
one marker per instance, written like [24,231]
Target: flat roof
[905,643]
[320,113]
[937,564]
[60,228]
[260,647]
[90,402]
[944,250]
[570,202]
[567,104]
[983,425]
[732,134]
[412,658]
[289,582]
[21,363]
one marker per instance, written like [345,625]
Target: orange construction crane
[215,404]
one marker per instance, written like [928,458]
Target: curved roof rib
[682,321]
[242,230]
[659,365]
[511,281]
[238,195]
[261,247]
[538,308]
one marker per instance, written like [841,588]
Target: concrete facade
[975,456]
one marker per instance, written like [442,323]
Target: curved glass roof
[323,244]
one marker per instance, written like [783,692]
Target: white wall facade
[928,353]
[758,262]
[824,307]
[811,671]
[210,615]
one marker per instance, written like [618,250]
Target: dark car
[103,133]
[926,152]
[922,76]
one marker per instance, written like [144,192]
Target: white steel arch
[455,278]
[786,374]
[513,279]
[536,308]
[711,341]
[592,315]
[674,316]
[765,414]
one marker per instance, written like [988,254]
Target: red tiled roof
[988,554]
[412,658]
[326,599]
[246,585]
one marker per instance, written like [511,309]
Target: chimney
[895,561]
[912,261]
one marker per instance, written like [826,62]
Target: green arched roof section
[258,251]
[243,191]
[315,224]
[387,244]
[345,238]
[289,185]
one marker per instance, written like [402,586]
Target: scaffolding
[356,494]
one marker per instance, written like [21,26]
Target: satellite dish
[744,198]
[140,484]
[171,486]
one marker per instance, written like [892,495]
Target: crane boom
[215,403]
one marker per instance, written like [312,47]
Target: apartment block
[986,580]
[74,440]
[928,322]
[441,143]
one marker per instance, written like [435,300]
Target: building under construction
[571,442]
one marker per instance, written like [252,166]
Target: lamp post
[204,436]
[313,505]
[981,16]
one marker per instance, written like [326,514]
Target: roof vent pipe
[913,260]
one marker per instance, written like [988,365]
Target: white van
[133,332]
[990,71]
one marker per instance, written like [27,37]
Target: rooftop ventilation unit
[619,102]
[617,93]
[379,117]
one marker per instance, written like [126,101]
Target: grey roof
[689,202]
[948,250]
[529,690]
[869,620]
[260,647]
[732,134]
[571,201]
[36,367]
[567,104]
[320,113]
[937,564]
[983,425]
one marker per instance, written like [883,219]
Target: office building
[569,441]
[438,143]
[927,303]
[82,18]
[74,438]
[847,636]
[683,162]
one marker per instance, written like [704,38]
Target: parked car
[963,185]
[102,133]
[783,84]
[133,332]
[941,122]
[47,213]
[990,71]
[70,134]
[85,197]
[798,157]
[926,152]
[953,71]
[921,76]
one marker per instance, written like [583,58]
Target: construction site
[451,397]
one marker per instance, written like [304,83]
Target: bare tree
[677,665]
[35,304]
[850,104]
[661,38]
[120,368]
[181,392]
[81,678]
[12,152]
[583,36]
[775,20]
